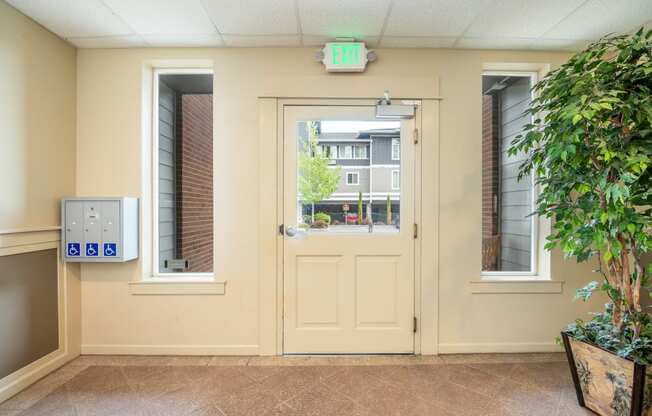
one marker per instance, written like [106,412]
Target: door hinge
[416,136]
[414,328]
[416,231]
[281,229]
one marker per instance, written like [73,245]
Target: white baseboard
[498,347]
[116,349]
[31,373]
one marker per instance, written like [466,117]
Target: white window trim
[396,143]
[365,157]
[397,186]
[151,274]
[353,174]
[541,271]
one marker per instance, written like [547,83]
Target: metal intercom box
[99,229]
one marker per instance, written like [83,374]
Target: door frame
[271,256]
[416,194]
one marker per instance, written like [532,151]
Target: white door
[348,285]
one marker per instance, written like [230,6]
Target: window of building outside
[396,179]
[396,150]
[509,232]
[183,173]
[352,178]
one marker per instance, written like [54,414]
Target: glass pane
[185,170]
[348,178]
[507,230]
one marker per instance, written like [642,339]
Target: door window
[332,200]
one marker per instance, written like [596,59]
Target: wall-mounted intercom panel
[99,229]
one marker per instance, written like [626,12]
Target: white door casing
[347,293]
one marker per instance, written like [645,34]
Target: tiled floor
[489,384]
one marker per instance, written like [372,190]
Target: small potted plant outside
[590,152]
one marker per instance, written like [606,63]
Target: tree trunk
[312,216]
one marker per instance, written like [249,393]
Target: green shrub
[322,216]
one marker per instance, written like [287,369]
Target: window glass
[396,149]
[335,199]
[508,232]
[396,179]
[184,147]
[352,178]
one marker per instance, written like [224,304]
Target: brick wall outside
[490,165]
[194,181]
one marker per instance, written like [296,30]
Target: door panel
[349,265]
[317,291]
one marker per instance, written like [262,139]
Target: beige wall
[37,166]
[109,163]
[37,122]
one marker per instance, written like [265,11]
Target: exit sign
[345,56]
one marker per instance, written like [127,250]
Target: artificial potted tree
[590,151]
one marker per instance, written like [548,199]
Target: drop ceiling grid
[482,24]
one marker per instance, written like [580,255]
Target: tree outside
[317,181]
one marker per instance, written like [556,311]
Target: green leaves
[586,292]
[316,181]
[590,151]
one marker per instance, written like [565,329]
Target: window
[360,152]
[396,149]
[510,235]
[396,179]
[352,178]
[332,151]
[346,152]
[182,171]
[365,193]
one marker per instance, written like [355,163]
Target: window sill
[167,286]
[515,286]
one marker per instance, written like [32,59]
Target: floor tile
[487,385]
[353,381]
[229,360]
[320,400]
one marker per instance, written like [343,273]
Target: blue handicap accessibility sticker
[110,250]
[73,250]
[92,250]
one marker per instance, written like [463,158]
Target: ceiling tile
[416,42]
[597,18]
[317,40]
[75,18]
[521,18]
[343,18]
[260,41]
[564,45]
[129,41]
[183,41]
[433,17]
[163,16]
[253,17]
[494,43]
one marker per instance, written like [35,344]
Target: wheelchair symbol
[91,249]
[73,249]
[110,250]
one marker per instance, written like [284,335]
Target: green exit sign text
[345,56]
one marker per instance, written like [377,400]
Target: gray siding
[515,196]
[382,151]
[167,173]
[363,181]
[382,179]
